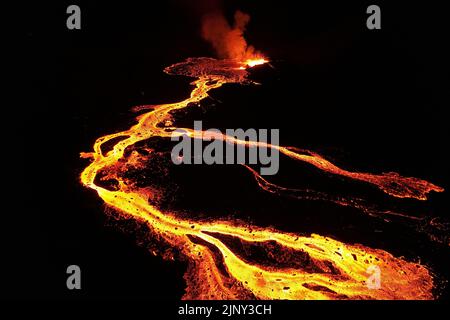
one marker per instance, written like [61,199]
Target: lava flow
[296,267]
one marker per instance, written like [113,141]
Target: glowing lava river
[307,267]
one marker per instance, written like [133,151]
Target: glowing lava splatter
[301,267]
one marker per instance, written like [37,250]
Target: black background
[373,100]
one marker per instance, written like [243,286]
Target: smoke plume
[227,40]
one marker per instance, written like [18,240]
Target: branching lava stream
[305,267]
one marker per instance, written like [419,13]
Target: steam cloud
[228,41]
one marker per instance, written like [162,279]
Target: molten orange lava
[303,267]
[255,62]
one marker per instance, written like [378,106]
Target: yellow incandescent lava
[302,267]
